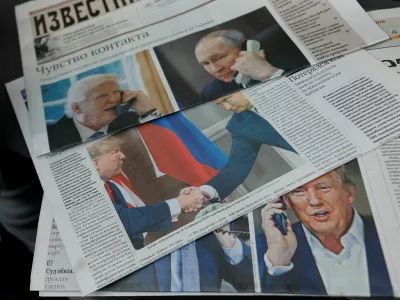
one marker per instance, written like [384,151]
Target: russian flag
[180,150]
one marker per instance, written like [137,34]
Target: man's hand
[227,240]
[254,65]
[142,102]
[191,202]
[189,189]
[280,248]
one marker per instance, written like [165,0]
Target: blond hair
[98,149]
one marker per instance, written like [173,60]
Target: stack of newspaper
[220,146]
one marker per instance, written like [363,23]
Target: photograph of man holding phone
[332,250]
[95,106]
[228,57]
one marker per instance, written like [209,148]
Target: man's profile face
[217,57]
[323,205]
[236,102]
[110,164]
[93,110]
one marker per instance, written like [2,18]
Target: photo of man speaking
[93,110]
[206,65]
[104,100]
[223,55]
[332,250]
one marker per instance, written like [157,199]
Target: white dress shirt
[85,132]
[344,274]
[234,255]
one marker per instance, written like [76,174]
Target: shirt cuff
[235,254]
[174,208]
[212,192]
[277,73]
[278,270]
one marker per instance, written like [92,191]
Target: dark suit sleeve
[271,284]
[241,160]
[241,274]
[150,218]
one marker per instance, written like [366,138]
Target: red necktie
[111,195]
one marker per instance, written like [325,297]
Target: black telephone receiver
[124,107]
[280,219]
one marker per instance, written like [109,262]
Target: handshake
[192,199]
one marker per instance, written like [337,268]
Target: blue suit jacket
[213,267]
[249,131]
[304,278]
[136,221]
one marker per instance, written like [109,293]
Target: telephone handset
[254,47]
[280,219]
[124,107]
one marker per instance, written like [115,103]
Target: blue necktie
[96,135]
[190,268]
[118,197]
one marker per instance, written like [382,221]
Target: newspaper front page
[318,136]
[362,269]
[96,67]
[366,267]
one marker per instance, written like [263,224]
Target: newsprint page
[95,67]
[362,192]
[300,126]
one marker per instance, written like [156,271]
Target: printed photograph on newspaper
[218,262]
[95,68]
[321,239]
[193,161]
[106,99]
[149,190]
[211,63]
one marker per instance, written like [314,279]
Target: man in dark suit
[136,218]
[92,111]
[210,264]
[223,53]
[249,132]
[332,250]
[200,265]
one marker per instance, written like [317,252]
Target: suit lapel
[310,277]
[163,271]
[379,281]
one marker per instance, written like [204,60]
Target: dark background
[19,186]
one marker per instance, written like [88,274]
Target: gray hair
[343,176]
[98,149]
[231,37]
[78,90]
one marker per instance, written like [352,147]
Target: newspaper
[375,201]
[96,67]
[357,271]
[316,132]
